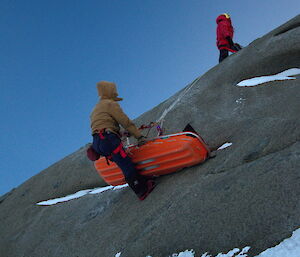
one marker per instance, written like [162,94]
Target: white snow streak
[186,253]
[80,194]
[285,75]
[166,111]
[236,252]
[224,146]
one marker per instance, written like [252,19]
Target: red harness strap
[120,150]
[101,133]
[227,48]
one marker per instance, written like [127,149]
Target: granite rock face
[248,195]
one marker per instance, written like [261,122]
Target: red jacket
[224,29]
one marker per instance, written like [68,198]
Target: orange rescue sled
[160,156]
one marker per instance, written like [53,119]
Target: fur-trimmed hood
[108,90]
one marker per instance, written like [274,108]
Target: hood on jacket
[108,90]
[222,17]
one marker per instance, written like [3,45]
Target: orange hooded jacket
[108,114]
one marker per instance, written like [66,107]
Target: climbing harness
[118,149]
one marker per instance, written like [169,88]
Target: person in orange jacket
[106,118]
[225,33]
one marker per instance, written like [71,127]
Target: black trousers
[223,54]
[105,146]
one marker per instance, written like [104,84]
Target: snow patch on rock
[224,146]
[285,75]
[80,194]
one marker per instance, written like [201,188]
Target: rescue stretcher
[159,156]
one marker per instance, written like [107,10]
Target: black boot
[150,186]
[137,184]
[141,185]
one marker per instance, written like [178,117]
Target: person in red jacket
[224,36]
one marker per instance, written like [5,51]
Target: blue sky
[54,52]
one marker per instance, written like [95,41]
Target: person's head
[223,17]
[108,90]
[226,15]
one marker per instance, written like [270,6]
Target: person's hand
[142,140]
